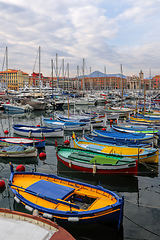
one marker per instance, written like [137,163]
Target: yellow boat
[66,200]
[144,155]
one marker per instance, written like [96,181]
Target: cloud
[104,33]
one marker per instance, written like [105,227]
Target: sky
[98,35]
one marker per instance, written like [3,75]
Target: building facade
[13,79]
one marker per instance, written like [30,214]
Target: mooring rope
[156,234]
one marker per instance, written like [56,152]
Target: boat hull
[143,155]
[35,191]
[32,131]
[39,143]
[40,227]
[13,152]
[125,170]
[136,137]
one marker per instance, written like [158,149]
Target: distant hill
[100,74]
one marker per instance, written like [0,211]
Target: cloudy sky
[104,33]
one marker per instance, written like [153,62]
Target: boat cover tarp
[50,190]
[103,160]
[13,148]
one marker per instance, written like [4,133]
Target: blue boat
[37,131]
[136,137]
[69,126]
[66,200]
[125,142]
[133,129]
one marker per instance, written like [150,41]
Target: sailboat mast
[63,72]
[78,78]
[57,69]
[121,87]
[39,68]
[91,84]
[83,75]
[150,80]
[105,78]
[7,69]
[52,75]
[144,97]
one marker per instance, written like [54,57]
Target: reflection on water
[111,182]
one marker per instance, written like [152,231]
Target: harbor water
[141,218]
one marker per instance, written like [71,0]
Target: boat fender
[38,125]
[17,199]
[42,155]
[35,213]
[73,219]
[29,208]
[103,129]
[6,132]
[2,183]
[20,168]
[70,164]
[66,142]
[47,215]
[29,134]
[42,134]
[94,169]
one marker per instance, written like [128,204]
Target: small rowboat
[18,151]
[34,131]
[66,200]
[144,155]
[68,126]
[136,137]
[96,162]
[125,142]
[18,225]
[132,129]
[38,143]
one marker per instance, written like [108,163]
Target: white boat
[18,225]
[34,131]
[68,126]
[16,108]
[36,104]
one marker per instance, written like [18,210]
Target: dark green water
[141,193]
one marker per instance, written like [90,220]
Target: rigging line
[141,205]
[142,226]
[149,166]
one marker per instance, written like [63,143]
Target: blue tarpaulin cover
[50,190]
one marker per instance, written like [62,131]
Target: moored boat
[37,131]
[18,151]
[38,143]
[66,200]
[16,108]
[125,142]
[95,162]
[131,129]
[18,225]
[144,155]
[68,126]
[136,137]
